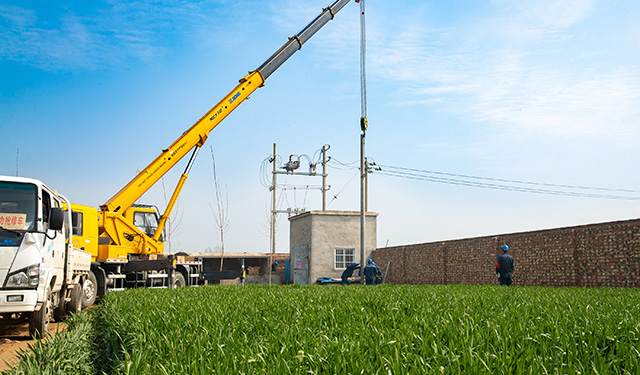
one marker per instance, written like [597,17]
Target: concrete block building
[323,243]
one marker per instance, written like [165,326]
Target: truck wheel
[60,311]
[39,320]
[75,304]
[89,290]
[178,280]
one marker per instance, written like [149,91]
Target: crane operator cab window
[147,222]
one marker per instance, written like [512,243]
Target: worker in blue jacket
[349,272]
[504,267]
[378,274]
[370,272]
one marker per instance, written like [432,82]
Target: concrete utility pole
[324,177]
[366,184]
[290,169]
[363,127]
[363,173]
[274,213]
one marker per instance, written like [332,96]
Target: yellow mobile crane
[125,239]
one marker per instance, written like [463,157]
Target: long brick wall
[606,254]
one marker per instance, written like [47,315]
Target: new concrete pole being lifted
[363,127]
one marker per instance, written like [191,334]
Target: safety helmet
[354,263]
[505,248]
[369,260]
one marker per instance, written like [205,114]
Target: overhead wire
[494,183]
[508,180]
[336,164]
[408,173]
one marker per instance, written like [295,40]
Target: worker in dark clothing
[370,272]
[348,272]
[274,266]
[378,279]
[504,267]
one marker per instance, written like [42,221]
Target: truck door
[53,250]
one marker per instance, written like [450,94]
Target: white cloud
[95,36]
[550,14]
[485,76]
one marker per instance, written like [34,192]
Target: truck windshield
[18,205]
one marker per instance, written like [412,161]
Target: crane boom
[113,224]
[198,133]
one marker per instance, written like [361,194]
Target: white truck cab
[39,268]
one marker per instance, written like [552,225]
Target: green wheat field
[387,329]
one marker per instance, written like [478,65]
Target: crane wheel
[178,280]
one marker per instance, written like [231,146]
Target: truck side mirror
[56,219]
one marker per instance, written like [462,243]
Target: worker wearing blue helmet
[370,272]
[348,272]
[504,267]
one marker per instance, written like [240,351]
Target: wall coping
[540,231]
[332,213]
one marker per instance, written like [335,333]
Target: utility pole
[324,177]
[274,213]
[363,212]
[366,184]
[290,169]
[363,127]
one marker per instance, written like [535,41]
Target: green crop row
[385,329]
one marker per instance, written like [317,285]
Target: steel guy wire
[344,187]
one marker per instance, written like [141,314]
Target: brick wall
[606,254]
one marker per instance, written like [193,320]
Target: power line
[493,183]
[336,164]
[509,181]
[523,189]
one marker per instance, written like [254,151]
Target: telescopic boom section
[198,133]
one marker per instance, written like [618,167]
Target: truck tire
[39,320]
[89,290]
[75,304]
[60,311]
[178,280]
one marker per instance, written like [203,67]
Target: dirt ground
[14,337]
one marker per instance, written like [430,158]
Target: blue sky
[538,91]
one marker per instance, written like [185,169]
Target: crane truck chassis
[123,239]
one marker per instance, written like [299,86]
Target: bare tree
[220,216]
